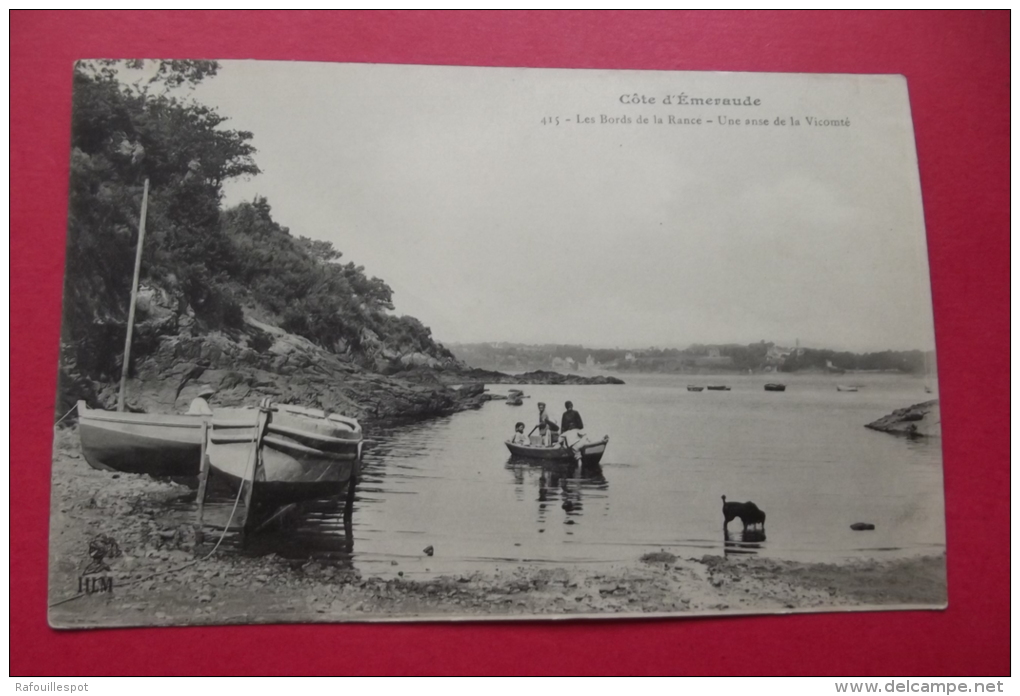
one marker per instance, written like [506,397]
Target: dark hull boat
[590,454]
[717,387]
[775,387]
[141,443]
[691,387]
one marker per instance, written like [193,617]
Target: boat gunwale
[94,416]
[557,449]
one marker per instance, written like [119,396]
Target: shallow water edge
[157,580]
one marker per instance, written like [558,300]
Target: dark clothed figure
[571,419]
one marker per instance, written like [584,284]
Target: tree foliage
[121,135]
[126,129]
[304,283]
[910,361]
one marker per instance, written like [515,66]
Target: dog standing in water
[749,513]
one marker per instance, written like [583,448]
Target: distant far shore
[475,375]
[753,358]
[616,376]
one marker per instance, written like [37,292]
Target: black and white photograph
[365,342]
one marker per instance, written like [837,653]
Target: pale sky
[490,226]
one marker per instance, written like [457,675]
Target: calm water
[802,455]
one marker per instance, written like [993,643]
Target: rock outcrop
[919,420]
[175,359]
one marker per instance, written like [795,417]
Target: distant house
[832,368]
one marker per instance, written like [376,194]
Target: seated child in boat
[519,437]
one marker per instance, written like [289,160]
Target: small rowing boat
[717,387]
[845,388]
[691,387]
[773,387]
[591,453]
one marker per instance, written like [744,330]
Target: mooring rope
[65,415]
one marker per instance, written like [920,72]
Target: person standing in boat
[200,404]
[571,419]
[543,438]
[545,419]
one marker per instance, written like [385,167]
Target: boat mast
[134,298]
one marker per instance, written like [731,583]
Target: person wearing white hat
[200,404]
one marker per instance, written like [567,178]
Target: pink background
[957,66]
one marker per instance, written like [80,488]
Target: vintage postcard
[386,342]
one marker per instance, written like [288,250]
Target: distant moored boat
[717,387]
[772,386]
[691,387]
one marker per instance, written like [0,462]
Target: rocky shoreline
[244,366]
[161,577]
[919,420]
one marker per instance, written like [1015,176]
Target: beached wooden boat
[717,387]
[773,387]
[158,444]
[284,454]
[691,387]
[590,454]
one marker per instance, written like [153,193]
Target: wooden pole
[352,483]
[203,482]
[134,298]
[253,464]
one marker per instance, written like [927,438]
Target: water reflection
[561,486]
[321,529]
[749,541]
[448,482]
[315,529]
